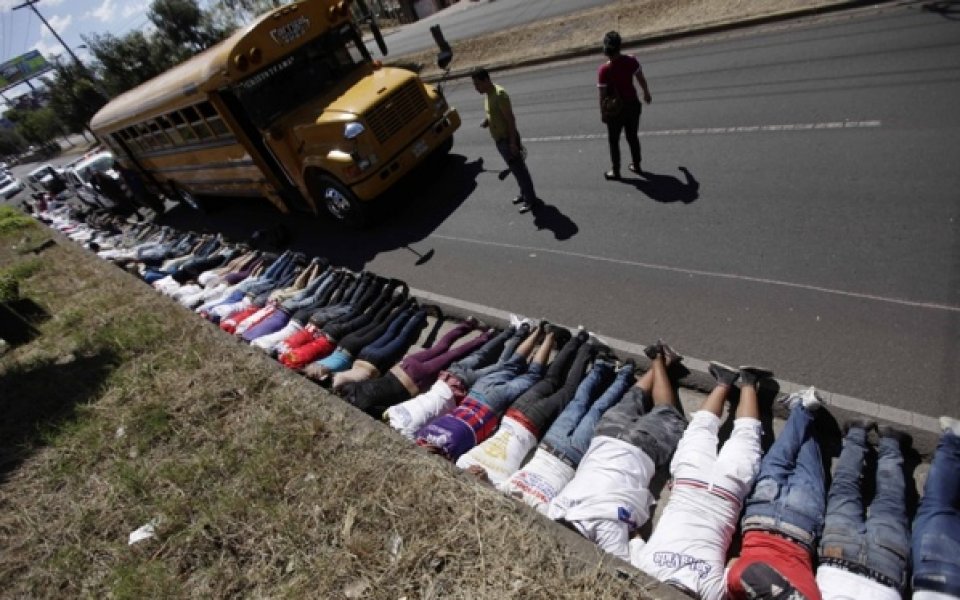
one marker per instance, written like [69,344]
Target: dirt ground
[632,18]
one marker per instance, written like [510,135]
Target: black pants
[541,405]
[629,123]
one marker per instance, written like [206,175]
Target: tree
[36,126]
[185,25]
[11,142]
[73,95]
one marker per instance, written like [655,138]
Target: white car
[10,186]
[46,179]
[79,174]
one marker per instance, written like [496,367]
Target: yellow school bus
[291,108]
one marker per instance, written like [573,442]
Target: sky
[21,30]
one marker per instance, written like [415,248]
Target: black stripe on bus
[207,167]
[219,143]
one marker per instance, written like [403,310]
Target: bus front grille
[396,111]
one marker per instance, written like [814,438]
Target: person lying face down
[476,418]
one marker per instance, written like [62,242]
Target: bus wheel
[341,203]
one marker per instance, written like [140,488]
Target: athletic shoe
[724,374]
[902,437]
[950,424]
[808,398]
[750,375]
[859,423]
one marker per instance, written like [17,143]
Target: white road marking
[761,280]
[844,402]
[829,125]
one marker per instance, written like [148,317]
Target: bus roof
[179,82]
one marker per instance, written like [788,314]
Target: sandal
[611,175]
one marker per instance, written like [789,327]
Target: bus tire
[342,204]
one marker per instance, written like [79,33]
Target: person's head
[481,80]
[612,43]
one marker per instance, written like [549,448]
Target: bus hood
[365,93]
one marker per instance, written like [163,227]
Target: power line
[30,4]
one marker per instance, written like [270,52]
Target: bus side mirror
[446,53]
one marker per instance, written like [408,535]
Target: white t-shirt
[840,584]
[539,481]
[612,484]
[502,454]
[408,417]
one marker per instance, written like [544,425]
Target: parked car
[10,186]
[46,179]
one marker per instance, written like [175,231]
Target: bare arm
[643,85]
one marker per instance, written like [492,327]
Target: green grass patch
[12,220]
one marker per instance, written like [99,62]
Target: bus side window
[193,117]
[157,135]
[182,127]
[213,119]
[143,136]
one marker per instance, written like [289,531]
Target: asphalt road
[469,18]
[818,232]
[828,250]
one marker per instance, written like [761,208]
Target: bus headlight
[353,130]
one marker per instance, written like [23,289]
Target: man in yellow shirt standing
[503,129]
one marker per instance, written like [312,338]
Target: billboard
[23,67]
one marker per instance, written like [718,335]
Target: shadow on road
[948,9]
[548,216]
[667,188]
[410,213]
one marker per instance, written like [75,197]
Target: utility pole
[30,4]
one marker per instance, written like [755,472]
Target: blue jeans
[499,389]
[936,529]
[569,436]
[480,363]
[519,168]
[395,341]
[789,496]
[881,543]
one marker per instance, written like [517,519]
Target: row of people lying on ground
[597,434]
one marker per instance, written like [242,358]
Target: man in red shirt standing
[784,514]
[616,79]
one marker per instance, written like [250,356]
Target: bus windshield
[310,71]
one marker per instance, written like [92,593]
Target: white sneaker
[808,398]
[950,424]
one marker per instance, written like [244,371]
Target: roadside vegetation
[125,410]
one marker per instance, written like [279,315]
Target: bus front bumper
[387,174]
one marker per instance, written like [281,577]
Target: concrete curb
[924,430]
[667,36]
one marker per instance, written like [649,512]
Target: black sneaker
[524,207]
[651,351]
[669,354]
[518,199]
[561,335]
[750,375]
[902,437]
[724,374]
[859,423]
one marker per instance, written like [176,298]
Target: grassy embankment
[124,408]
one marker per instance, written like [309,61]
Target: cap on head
[611,43]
